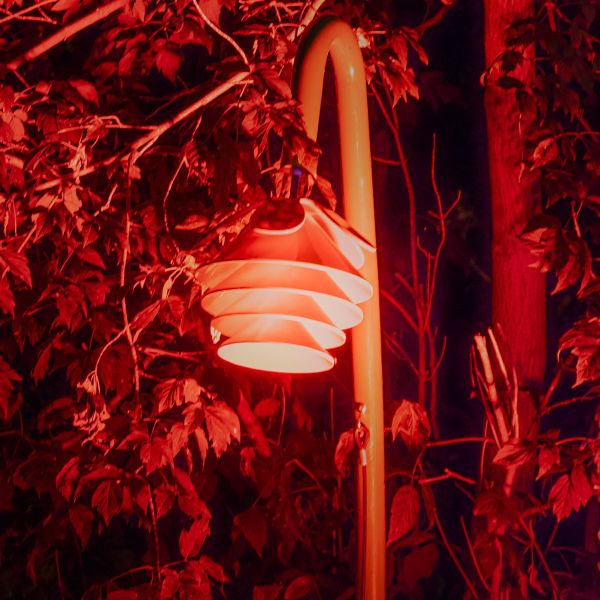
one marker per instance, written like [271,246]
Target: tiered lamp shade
[283,294]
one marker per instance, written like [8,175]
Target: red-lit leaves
[167,61]
[548,459]
[499,510]
[16,263]
[253,526]
[418,564]
[266,592]
[411,423]
[515,453]
[343,452]
[404,512]
[300,587]
[191,540]
[583,341]
[82,520]
[556,248]
[106,499]
[570,492]
[223,425]
[9,400]
[175,392]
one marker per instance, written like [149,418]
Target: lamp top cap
[278,215]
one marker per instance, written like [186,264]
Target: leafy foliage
[135,135]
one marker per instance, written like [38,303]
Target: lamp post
[332,37]
[285,289]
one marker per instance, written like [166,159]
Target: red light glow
[283,296]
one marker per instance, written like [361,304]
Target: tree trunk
[518,290]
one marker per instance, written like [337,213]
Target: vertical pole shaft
[331,37]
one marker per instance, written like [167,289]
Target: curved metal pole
[332,37]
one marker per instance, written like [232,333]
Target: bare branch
[221,33]
[66,32]
[146,141]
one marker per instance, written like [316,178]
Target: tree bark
[518,291]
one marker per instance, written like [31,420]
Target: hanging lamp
[285,289]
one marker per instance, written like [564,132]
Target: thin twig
[143,143]
[448,474]
[453,556]
[29,9]
[125,255]
[66,32]
[463,440]
[155,531]
[473,556]
[221,33]
[309,15]
[400,309]
[433,20]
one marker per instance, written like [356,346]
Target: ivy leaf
[570,492]
[201,442]
[65,479]
[64,5]
[400,48]
[71,200]
[191,540]
[106,500]
[266,408]
[343,450]
[405,512]
[413,38]
[273,81]
[223,425]
[16,263]
[170,584]
[266,592]
[86,90]
[213,569]
[138,10]
[146,316]
[165,499]
[7,299]
[253,526]
[583,340]
[545,152]
[175,392]
[498,509]
[178,437]
[212,9]
[41,366]
[82,519]
[7,379]
[515,453]
[300,588]
[549,458]
[167,63]
[419,564]
[412,424]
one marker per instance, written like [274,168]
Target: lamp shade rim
[339,222]
[363,290]
[283,357]
[325,334]
[341,313]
